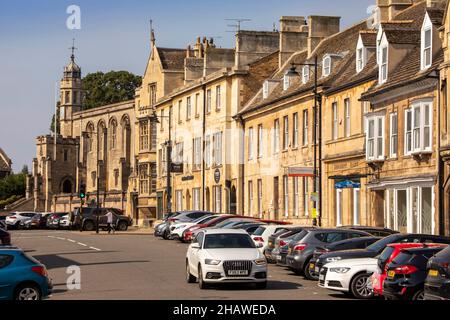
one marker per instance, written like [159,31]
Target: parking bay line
[73,241]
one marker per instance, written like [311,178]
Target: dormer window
[326,68]
[305,74]
[268,87]
[289,77]
[359,60]
[426,43]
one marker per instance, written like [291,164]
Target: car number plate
[238,272]
[311,266]
[391,274]
[433,273]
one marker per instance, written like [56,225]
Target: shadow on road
[56,261]
[271,285]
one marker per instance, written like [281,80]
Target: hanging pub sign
[347,184]
[176,168]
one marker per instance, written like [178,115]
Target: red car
[389,253]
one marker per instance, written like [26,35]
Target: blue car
[22,277]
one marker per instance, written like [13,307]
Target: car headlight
[213,262]
[333,259]
[339,270]
[261,261]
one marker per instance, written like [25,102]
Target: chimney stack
[293,37]
[390,8]
[321,27]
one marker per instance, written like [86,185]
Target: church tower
[70,95]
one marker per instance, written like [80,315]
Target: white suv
[224,256]
[19,219]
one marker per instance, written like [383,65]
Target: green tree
[106,88]
[12,185]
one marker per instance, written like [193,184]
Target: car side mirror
[195,245]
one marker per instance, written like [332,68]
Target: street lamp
[168,144]
[317,127]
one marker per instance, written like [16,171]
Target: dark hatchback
[249,227]
[348,244]
[301,249]
[437,283]
[406,274]
[376,248]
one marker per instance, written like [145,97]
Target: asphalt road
[142,267]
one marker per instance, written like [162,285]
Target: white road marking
[94,248]
[60,238]
[71,240]
[82,244]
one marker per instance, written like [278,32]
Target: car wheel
[202,285]
[419,295]
[123,226]
[261,285]
[166,235]
[360,287]
[27,292]
[307,271]
[189,277]
[89,226]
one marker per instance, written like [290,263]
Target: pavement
[137,266]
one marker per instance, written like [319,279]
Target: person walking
[109,221]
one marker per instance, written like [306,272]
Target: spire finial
[72,57]
[152,33]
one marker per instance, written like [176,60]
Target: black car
[354,243]
[249,227]
[5,237]
[375,231]
[406,274]
[301,249]
[437,283]
[3,222]
[87,219]
[377,247]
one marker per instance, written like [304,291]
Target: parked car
[5,237]
[64,222]
[375,231]
[17,220]
[22,277]
[225,256]
[183,216]
[230,223]
[271,244]
[406,274]
[437,283]
[350,275]
[87,220]
[302,250]
[389,253]
[281,250]
[347,244]
[377,247]
[262,234]
[53,219]
[250,228]
[177,229]
[191,232]
[160,229]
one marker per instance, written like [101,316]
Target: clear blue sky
[34,44]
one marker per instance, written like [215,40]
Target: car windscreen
[384,256]
[299,236]
[228,241]
[204,219]
[403,258]
[259,231]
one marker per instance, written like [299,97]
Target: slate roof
[408,70]
[172,59]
